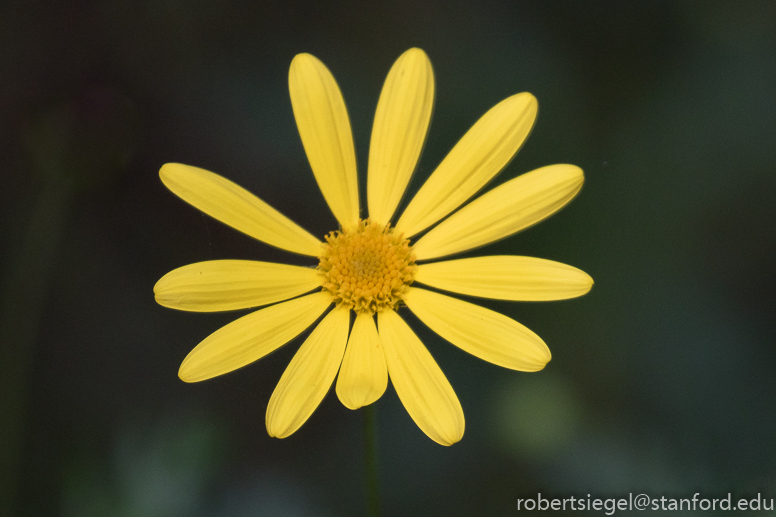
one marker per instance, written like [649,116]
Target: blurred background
[662,379]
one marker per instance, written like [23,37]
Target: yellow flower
[372,267]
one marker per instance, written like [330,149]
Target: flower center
[367,269]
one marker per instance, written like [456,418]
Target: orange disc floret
[367,269]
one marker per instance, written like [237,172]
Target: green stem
[23,288]
[370,454]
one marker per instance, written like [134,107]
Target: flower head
[372,267]
[368,269]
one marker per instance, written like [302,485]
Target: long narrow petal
[506,277]
[399,131]
[225,285]
[233,205]
[508,208]
[482,152]
[252,337]
[481,332]
[323,123]
[309,375]
[363,375]
[420,384]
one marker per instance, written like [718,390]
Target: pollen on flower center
[368,269]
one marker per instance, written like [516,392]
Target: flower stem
[23,287]
[370,456]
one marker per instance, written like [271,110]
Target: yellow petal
[363,375]
[324,126]
[309,375]
[481,332]
[506,277]
[225,285]
[252,337]
[508,208]
[399,131]
[420,384]
[482,152]
[235,206]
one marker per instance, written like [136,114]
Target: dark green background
[662,379]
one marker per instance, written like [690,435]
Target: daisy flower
[372,266]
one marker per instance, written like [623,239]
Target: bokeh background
[662,379]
